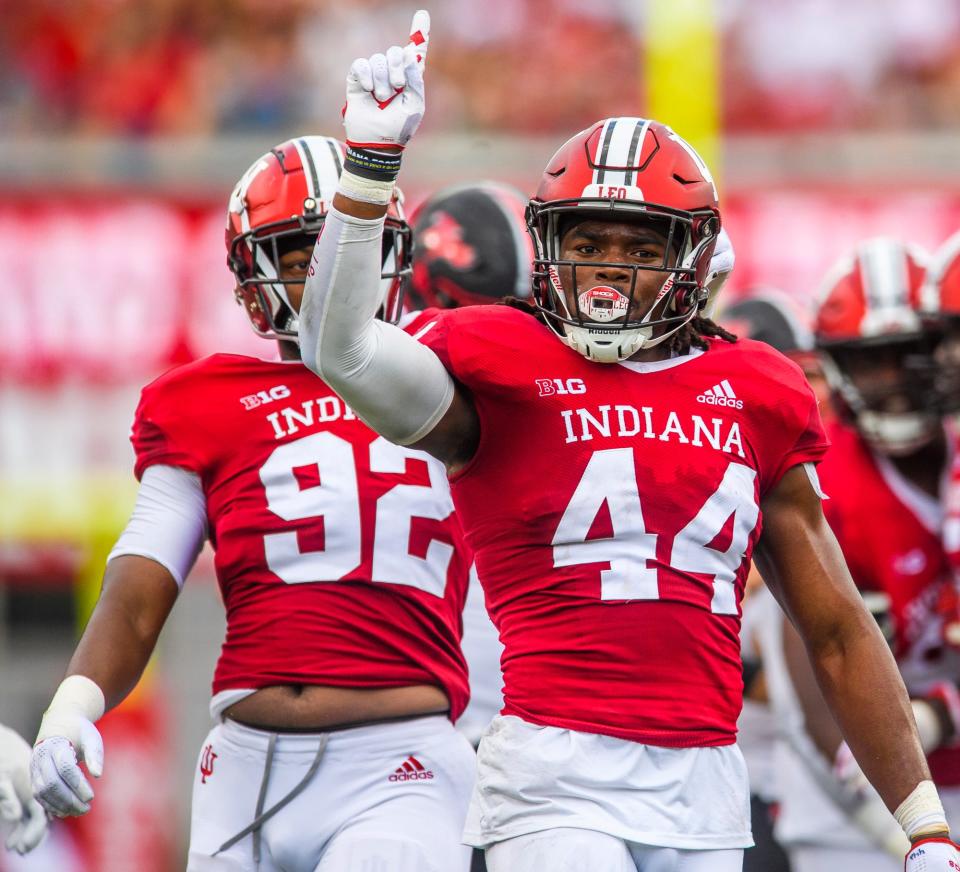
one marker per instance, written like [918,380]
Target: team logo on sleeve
[411,770]
[721,395]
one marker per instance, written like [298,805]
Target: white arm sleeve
[169,521]
[395,385]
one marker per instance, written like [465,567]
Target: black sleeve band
[373,164]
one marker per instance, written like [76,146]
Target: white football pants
[571,850]
[815,858]
[387,797]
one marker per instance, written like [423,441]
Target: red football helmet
[868,320]
[941,292]
[625,169]
[470,246]
[279,205]
[941,306]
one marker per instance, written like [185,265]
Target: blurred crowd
[201,67]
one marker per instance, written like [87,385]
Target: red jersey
[338,554]
[890,533]
[613,509]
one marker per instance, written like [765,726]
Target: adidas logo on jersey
[721,395]
[411,770]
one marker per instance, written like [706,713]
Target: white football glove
[385,95]
[932,855]
[17,805]
[67,736]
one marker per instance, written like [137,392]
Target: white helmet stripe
[636,147]
[309,167]
[335,154]
[623,147]
[603,146]
[325,155]
[620,143]
[883,266]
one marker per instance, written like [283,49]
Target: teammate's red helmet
[941,293]
[470,246]
[872,294]
[941,307]
[870,308]
[279,205]
[633,169]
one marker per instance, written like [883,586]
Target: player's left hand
[65,739]
[932,855]
[385,93]
[17,805]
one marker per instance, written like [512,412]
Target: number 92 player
[616,460]
[342,571]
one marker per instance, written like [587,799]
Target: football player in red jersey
[886,464]
[341,567]
[610,452]
[941,302]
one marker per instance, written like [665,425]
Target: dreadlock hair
[691,335]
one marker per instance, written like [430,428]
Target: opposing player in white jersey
[341,567]
[610,453]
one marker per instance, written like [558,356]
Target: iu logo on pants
[206,763]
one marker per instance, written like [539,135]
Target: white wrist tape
[365,190]
[921,811]
[76,695]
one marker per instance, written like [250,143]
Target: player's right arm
[397,386]
[801,561]
[140,585]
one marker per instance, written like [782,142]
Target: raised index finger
[419,35]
